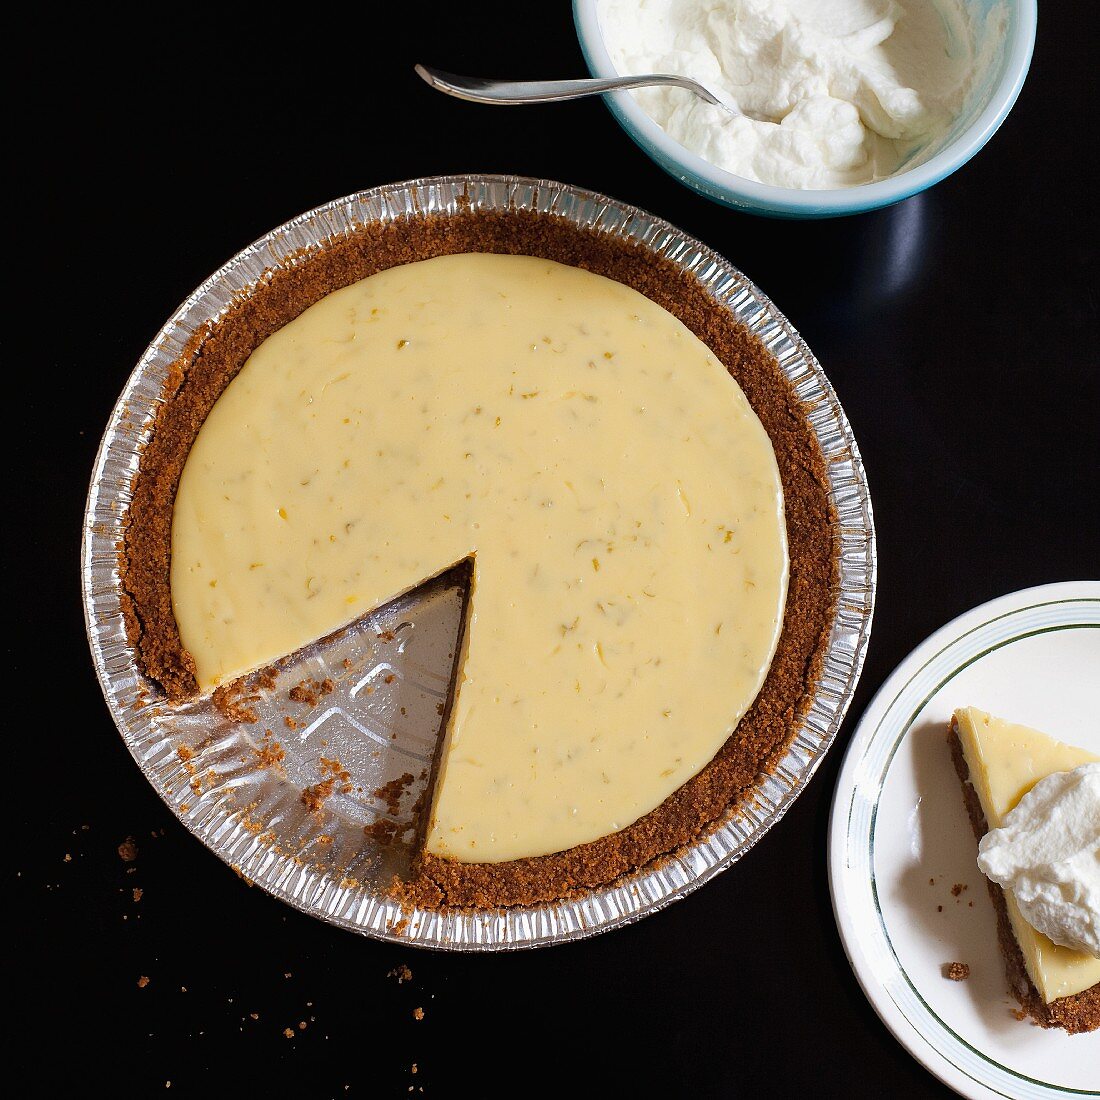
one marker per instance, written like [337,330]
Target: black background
[958,329]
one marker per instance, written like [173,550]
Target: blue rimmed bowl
[987,107]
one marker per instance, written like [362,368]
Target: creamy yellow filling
[619,498]
[1006,760]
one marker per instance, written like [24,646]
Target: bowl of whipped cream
[828,107]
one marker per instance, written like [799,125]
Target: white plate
[900,839]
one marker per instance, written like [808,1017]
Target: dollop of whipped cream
[852,91]
[1047,853]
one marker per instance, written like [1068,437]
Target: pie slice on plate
[999,762]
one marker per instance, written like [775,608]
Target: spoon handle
[509,92]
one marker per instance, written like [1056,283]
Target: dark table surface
[958,329]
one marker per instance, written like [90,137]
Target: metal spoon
[509,92]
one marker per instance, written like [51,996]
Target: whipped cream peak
[1047,853]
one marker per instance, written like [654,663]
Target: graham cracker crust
[1076,1014]
[214,356]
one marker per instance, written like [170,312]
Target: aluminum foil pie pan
[362,730]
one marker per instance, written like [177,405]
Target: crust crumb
[265,679]
[315,796]
[312,691]
[382,832]
[390,793]
[956,971]
[241,875]
[231,702]
[334,768]
[270,754]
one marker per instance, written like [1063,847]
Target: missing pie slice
[641,498]
[998,762]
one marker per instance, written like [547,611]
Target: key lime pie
[1019,783]
[623,469]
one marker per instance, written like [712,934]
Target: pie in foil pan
[356,717]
